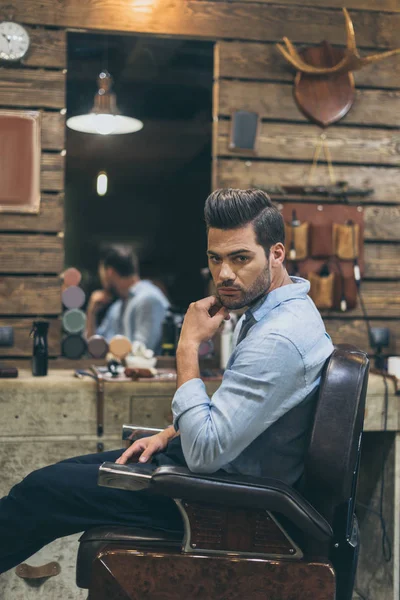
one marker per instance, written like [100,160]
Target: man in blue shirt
[140,307]
[258,421]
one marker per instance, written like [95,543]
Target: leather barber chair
[246,538]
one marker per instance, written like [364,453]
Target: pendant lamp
[104,118]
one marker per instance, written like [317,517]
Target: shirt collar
[298,289]
[134,288]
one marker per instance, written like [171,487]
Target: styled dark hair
[230,209]
[121,258]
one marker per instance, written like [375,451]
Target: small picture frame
[20,151]
[244,131]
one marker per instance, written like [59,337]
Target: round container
[74,320]
[393,366]
[97,346]
[71,276]
[120,346]
[73,297]
[73,346]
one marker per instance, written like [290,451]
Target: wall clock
[14,41]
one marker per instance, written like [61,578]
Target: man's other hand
[203,320]
[142,450]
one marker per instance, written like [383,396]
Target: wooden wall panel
[289,141]
[23,253]
[37,83]
[53,131]
[30,296]
[348,331]
[41,296]
[382,261]
[252,173]
[210,20]
[48,48]
[247,60]
[32,88]
[380,5]
[275,101]
[382,223]
[23,343]
[49,219]
[52,172]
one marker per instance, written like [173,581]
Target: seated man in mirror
[140,306]
[257,423]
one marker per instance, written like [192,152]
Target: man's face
[238,265]
[106,276]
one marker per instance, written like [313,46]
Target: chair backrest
[331,463]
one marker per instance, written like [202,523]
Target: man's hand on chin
[201,322]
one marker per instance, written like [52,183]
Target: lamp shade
[104,118]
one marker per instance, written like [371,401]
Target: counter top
[72,401]
[66,377]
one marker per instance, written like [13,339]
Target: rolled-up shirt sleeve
[255,392]
[107,326]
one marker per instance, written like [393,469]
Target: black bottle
[40,356]
[168,340]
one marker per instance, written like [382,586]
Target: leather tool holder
[346,240]
[296,241]
[322,289]
[321,240]
[345,289]
[99,400]
[335,238]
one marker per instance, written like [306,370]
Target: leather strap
[99,400]
[25,571]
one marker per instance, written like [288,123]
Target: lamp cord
[385,541]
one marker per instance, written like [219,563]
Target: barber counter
[47,419]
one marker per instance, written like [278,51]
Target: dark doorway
[158,178]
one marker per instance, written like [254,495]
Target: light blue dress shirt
[258,421]
[139,318]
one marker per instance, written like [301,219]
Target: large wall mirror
[157,178]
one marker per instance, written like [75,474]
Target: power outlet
[6,337]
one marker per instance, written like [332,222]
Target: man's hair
[121,258]
[232,209]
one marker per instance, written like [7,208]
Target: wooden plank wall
[365,148]
[31,246]
[250,74]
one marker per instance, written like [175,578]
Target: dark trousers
[64,498]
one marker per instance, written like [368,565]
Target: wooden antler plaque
[327,98]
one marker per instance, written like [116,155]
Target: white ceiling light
[104,118]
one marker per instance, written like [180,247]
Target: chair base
[122,574]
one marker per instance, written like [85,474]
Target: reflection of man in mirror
[140,306]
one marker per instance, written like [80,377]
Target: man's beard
[249,296]
[112,291]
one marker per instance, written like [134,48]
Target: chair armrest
[125,477]
[221,488]
[134,432]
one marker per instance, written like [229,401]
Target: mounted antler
[351,61]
